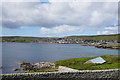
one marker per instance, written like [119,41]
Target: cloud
[60,30]
[60,0]
[109,30]
[21,0]
[98,32]
[84,15]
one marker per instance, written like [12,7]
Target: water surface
[12,53]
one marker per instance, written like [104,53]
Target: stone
[15,69]
[37,66]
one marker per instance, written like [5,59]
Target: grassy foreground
[44,70]
[112,62]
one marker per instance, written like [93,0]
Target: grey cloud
[90,15]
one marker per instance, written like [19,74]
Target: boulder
[37,66]
[16,69]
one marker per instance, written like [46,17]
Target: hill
[55,39]
[98,37]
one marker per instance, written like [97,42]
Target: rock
[22,62]
[0,67]
[37,66]
[16,69]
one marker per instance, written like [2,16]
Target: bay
[13,53]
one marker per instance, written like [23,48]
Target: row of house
[80,41]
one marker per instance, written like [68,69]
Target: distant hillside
[26,39]
[98,37]
[52,39]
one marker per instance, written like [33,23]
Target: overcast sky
[59,18]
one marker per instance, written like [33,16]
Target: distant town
[100,41]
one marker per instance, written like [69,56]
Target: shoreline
[55,66]
[66,68]
[101,47]
[64,71]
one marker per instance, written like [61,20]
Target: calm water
[12,53]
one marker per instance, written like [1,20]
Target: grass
[94,38]
[98,37]
[45,70]
[78,63]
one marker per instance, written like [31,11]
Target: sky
[57,19]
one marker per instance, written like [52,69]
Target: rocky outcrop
[37,66]
[106,47]
[0,67]
[16,69]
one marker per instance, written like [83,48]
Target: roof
[97,60]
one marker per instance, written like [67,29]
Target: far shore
[98,46]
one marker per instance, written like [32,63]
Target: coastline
[111,62]
[98,46]
[103,47]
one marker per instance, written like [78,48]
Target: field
[112,62]
[94,38]
[98,37]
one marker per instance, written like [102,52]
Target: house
[96,60]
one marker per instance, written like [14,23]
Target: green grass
[98,37]
[78,63]
[94,38]
[45,70]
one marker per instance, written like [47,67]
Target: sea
[13,53]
